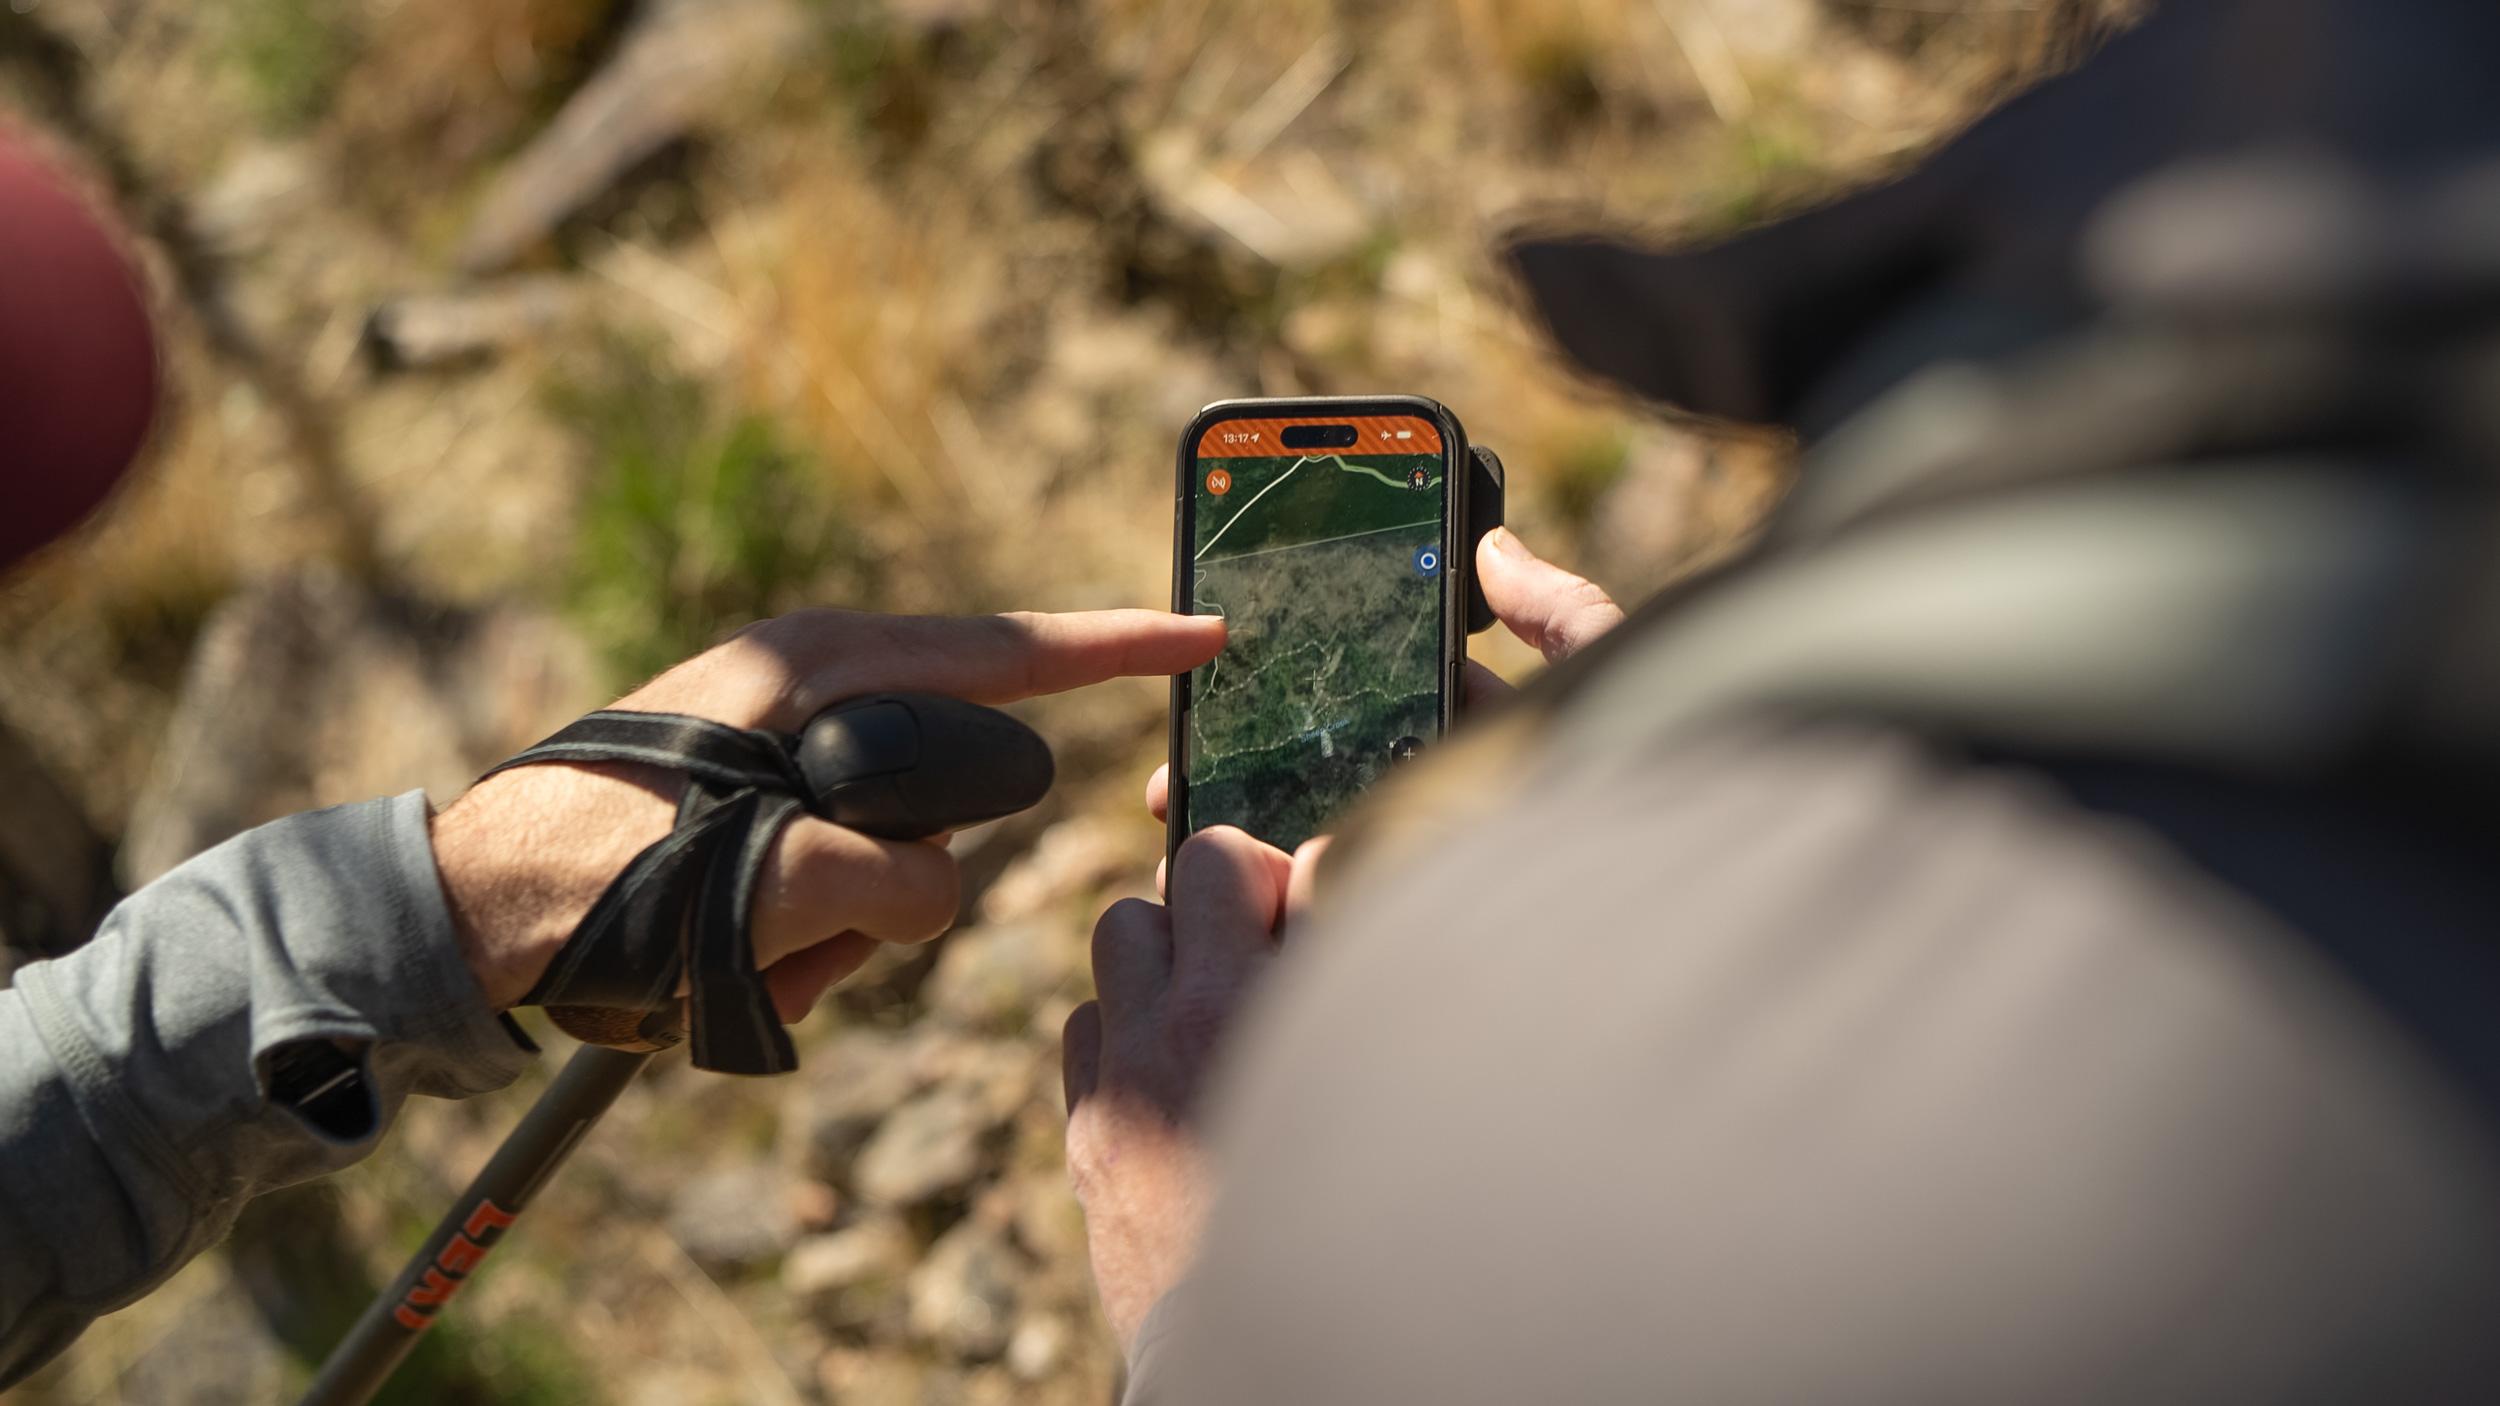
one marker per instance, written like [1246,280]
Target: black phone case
[1477,494]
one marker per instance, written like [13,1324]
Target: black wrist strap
[682,907]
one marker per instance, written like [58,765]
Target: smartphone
[1331,534]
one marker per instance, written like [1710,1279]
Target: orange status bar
[1373,434]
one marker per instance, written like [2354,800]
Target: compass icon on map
[1419,479]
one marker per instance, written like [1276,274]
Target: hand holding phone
[1335,537]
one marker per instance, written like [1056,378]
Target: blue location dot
[1427,562]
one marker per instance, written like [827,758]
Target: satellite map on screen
[1327,569]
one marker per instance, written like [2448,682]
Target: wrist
[1144,1185]
[526,852]
[471,864]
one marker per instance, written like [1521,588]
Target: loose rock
[733,1219]
[963,1297]
[998,1074]
[857,1377]
[993,977]
[1072,859]
[931,1145]
[1038,1345]
[259,193]
[814,1205]
[851,1086]
[866,1253]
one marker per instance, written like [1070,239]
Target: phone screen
[1326,562]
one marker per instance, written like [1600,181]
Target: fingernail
[1499,541]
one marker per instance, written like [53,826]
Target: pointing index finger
[827,656]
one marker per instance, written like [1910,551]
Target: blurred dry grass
[432,90]
[967,265]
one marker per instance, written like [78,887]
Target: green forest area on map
[1334,648]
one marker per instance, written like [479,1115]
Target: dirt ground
[516,347]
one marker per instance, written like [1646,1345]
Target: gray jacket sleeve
[135,1116]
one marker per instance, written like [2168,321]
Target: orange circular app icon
[1219,482]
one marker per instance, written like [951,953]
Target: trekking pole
[373,1349]
[898,766]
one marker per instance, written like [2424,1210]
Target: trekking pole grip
[899,766]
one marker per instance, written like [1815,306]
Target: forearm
[135,1075]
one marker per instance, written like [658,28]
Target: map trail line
[1323,541]
[1337,459]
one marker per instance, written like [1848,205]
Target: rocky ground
[518,346]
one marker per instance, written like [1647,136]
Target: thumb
[1547,607]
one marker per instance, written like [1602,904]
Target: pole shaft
[580,1092]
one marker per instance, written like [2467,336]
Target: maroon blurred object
[77,359]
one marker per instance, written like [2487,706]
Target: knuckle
[1230,858]
[1591,622]
[750,633]
[1082,1029]
[818,620]
[1213,843]
[992,631]
[1124,927]
[1129,913]
[799,627]
[1589,600]
[1011,635]
[929,866]
[749,677]
[939,885]
[916,887]
[1120,922]
[835,646]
